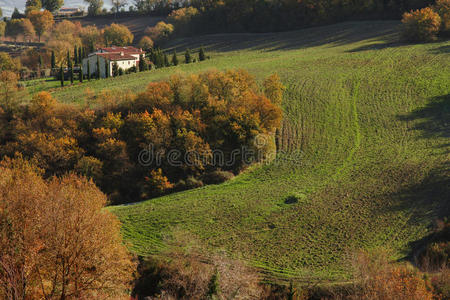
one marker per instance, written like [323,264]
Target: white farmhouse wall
[92,61]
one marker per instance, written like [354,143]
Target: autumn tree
[182,18]
[421,25]
[118,4]
[22,194]
[160,32]
[64,36]
[52,5]
[442,7]
[14,28]
[273,89]
[28,30]
[2,28]
[117,35]
[31,5]
[146,43]
[8,92]
[91,37]
[7,63]
[57,241]
[41,20]
[95,7]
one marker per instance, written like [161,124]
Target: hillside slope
[365,152]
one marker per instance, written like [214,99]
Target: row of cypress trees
[160,59]
[156,56]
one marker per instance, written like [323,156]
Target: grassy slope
[367,152]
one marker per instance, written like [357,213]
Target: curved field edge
[365,143]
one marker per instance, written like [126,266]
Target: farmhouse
[68,12]
[125,57]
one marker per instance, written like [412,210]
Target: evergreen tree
[81,73]
[61,75]
[75,55]
[106,69]
[151,55]
[16,14]
[40,61]
[70,66]
[115,69]
[80,55]
[68,58]
[53,60]
[187,56]
[201,54]
[159,59]
[89,70]
[98,67]
[141,63]
[166,60]
[175,58]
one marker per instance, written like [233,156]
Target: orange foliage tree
[421,25]
[56,241]
[41,20]
[117,35]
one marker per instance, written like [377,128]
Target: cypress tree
[61,75]
[106,70]
[80,55]
[141,63]
[68,58]
[152,56]
[175,58]
[166,60]
[53,60]
[89,70]
[40,61]
[98,68]
[159,59]
[115,69]
[75,55]
[80,77]
[187,56]
[201,54]
[70,71]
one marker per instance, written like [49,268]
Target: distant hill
[9,5]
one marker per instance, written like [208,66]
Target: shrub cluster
[425,24]
[125,144]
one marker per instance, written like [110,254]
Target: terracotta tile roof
[128,50]
[116,56]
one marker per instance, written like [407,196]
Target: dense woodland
[197,115]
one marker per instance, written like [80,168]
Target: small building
[125,57]
[68,12]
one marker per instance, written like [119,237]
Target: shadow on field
[441,50]
[336,35]
[388,44]
[433,120]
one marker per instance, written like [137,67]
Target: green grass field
[366,142]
